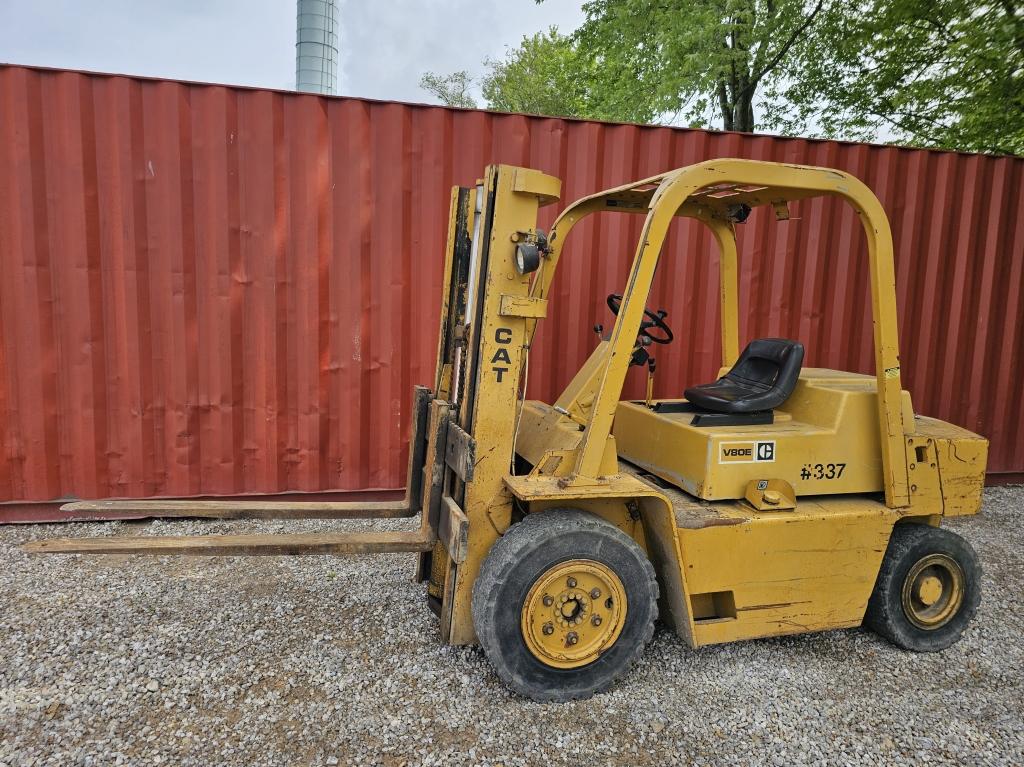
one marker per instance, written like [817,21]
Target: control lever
[640,354]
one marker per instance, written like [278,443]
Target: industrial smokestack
[316,47]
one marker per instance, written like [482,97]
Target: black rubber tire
[527,550]
[908,544]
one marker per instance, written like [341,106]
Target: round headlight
[527,258]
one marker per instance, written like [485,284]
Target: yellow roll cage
[709,192]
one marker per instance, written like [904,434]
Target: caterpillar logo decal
[761,451]
[500,362]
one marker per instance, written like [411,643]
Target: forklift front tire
[928,588]
[564,605]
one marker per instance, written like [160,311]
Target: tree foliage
[451,90]
[944,73]
[696,58]
[543,76]
[546,75]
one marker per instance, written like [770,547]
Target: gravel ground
[322,661]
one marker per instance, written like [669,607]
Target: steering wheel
[654,320]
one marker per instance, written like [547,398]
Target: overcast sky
[385,46]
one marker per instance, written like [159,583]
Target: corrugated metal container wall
[214,290]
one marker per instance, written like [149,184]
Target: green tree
[695,58]
[451,90]
[944,73]
[546,75]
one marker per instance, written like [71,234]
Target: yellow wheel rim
[933,591]
[574,612]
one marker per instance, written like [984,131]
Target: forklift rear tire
[928,588]
[564,605]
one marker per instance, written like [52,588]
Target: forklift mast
[482,349]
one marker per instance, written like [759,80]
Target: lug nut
[572,583]
[595,594]
[548,601]
[572,638]
[548,629]
[596,620]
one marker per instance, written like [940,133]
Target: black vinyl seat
[763,378]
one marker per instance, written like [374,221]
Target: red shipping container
[211,290]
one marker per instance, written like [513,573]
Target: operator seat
[763,378]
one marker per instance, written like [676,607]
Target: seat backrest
[769,363]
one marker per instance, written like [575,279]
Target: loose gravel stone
[119,660]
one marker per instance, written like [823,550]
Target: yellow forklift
[778,499]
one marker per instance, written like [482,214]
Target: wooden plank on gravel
[237,545]
[200,509]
